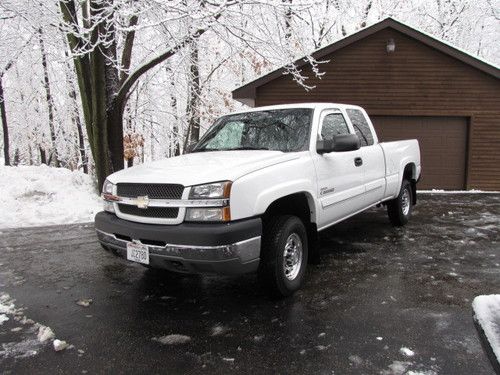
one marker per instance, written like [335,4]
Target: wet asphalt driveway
[378,290]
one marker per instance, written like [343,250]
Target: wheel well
[294,204]
[298,205]
[410,175]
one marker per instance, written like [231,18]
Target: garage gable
[414,77]
[248,92]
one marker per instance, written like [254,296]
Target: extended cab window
[333,124]
[360,126]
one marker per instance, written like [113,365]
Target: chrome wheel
[405,202]
[292,256]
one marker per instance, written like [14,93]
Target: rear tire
[284,255]
[399,209]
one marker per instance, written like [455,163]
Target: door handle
[358,162]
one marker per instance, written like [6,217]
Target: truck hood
[202,167]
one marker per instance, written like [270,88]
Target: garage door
[443,145]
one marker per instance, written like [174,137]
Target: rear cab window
[361,126]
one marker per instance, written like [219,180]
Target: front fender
[266,197]
[253,193]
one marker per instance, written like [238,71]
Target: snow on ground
[487,314]
[45,333]
[396,368]
[173,339]
[3,318]
[29,345]
[407,351]
[403,368]
[42,195]
[218,330]
[33,336]
[441,191]
[59,345]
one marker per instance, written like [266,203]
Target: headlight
[214,190]
[219,192]
[107,188]
[108,196]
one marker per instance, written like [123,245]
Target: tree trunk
[152,139]
[366,13]
[75,115]
[114,127]
[81,142]
[5,128]
[288,19]
[194,94]
[30,153]
[43,155]
[50,102]
[99,122]
[114,108]
[17,157]
[173,104]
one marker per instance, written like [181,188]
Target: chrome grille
[158,212]
[153,191]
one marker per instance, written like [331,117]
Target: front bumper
[224,248]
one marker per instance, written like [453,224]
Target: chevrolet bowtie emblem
[142,201]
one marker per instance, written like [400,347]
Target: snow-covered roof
[248,91]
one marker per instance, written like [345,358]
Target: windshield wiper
[245,148]
[229,149]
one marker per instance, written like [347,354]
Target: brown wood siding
[484,152]
[414,80]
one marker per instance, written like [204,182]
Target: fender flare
[268,196]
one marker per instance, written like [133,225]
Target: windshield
[284,130]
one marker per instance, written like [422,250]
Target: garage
[443,145]
[420,87]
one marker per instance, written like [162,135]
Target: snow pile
[29,345]
[6,304]
[45,333]
[36,335]
[396,368]
[218,330]
[441,191]
[3,318]
[60,345]
[487,314]
[44,195]
[84,302]
[407,352]
[403,368]
[173,339]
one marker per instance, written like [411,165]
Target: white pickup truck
[255,191]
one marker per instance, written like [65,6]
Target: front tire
[284,255]
[399,209]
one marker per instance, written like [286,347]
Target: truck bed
[396,155]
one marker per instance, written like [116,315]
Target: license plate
[138,253]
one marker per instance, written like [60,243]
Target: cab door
[373,156]
[340,174]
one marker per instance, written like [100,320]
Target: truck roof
[316,105]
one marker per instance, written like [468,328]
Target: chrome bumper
[235,258]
